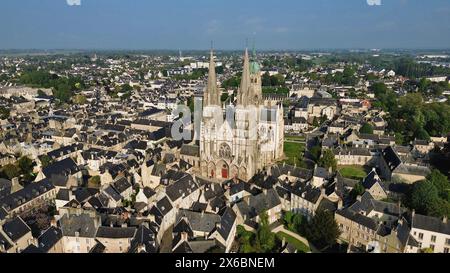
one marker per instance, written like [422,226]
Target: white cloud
[374,2]
[73,2]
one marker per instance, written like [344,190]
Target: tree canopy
[367,128]
[328,160]
[323,230]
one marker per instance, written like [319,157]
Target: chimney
[218,225]
[358,198]
[444,220]
[15,182]
[322,191]
[340,204]
[53,222]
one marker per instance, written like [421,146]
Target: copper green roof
[254,67]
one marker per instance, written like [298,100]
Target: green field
[301,247]
[294,153]
[352,172]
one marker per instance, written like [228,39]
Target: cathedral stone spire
[212,96]
[245,81]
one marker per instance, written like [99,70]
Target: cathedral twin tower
[251,137]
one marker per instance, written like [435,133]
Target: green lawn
[293,152]
[294,138]
[301,247]
[353,172]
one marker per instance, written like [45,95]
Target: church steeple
[243,98]
[212,96]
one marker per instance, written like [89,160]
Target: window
[433,239]
[420,236]
[432,247]
[447,242]
[445,249]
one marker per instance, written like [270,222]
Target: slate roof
[284,169]
[116,232]
[190,150]
[263,181]
[228,219]
[321,172]
[111,192]
[49,238]
[391,158]
[358,218]
[5,187]
[144,236]
[16,229]
[26,194]
[65,150]
[183,187]
[371,179]
[32,249]
[63,194]
[202,222]
[212,190]
[85,225]
[430,223]
[255,205]
[121,185]
[183,248]
[65,167]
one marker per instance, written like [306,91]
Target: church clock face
[225,151]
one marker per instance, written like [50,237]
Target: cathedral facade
[240,139]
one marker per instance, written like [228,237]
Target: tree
[293,221]
[25,165]
[315,152]
[46,161]
[94,182]
[11,171]
[4,112]
[424,195]
[441,183]
[367,128]
[126,88]
[80,99]
[316,122]
[323,230]
[357,190]
[62,92]
[328,160]
[265,239]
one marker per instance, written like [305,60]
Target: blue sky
[192,24]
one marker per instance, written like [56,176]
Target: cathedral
[240,139]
